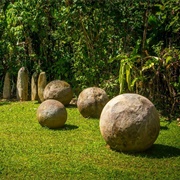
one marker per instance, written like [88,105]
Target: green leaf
[118,57]
[112,59]
[148,66]
[169,58]
[128,76]
[121,77]
[133,82]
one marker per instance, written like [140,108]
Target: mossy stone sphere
[129,122]
[52,114]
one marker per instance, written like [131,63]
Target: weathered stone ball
[129,123]
[58,90]
[91,102]
[52,114]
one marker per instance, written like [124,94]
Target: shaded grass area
[77,151]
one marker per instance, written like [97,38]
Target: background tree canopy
[126,46]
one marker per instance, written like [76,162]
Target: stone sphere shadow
[66,127]
[158,151]
[162,151]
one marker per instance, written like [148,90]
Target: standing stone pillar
[42,82]
[22,84]
[34,87]
[7,87]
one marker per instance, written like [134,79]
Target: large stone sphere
[129,122]
[52,114]
[91,102]
[58,90]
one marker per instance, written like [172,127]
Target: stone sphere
[58,90]
[52,114]
[91,102]
[129,123]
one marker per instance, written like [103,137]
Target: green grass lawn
[77,151]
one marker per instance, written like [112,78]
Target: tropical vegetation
[121,46]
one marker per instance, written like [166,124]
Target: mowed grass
[77,151]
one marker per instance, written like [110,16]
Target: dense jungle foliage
[121,46]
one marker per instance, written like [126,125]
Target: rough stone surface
[129,122]
[22,84]
[7,87]
[34,87]
[58,90]
[42,82]
[91,101]
[52,114]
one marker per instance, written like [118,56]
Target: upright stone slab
[22,84]
[42,82]
[7,87]
[34,87]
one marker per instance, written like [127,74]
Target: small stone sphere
[52,114]
[58,90]
[129,123]
[91,102]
